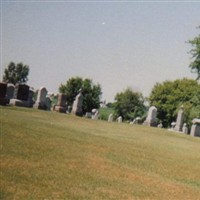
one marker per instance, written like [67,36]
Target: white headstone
[179,120]
[151,119]
[185,128]
[119,119]
[110,117]
[95,114]
[77,105]
[41,99]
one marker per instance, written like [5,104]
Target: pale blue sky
[116,44]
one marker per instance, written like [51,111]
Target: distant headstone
[88,114]
[48,103]
[119,119]
[137,120]
[77,105]
[179,120]
[3,90]
[160,125]
[69,109]
[21,96]
[21,92]
[61,105]
[41,102]
[195,129]
[95,114]
[110,118]
[151,119]
[173,124]
[30,98]
[10,91]
[185,128]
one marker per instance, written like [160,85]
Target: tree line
[167,96]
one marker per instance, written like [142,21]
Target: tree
[16,73]
[170,95]
[91,92]
[195,65]
[129,104]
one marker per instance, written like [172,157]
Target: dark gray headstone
[3,90]
[21,92]
[10,91]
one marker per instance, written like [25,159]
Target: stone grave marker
[3,90]
[119,119]
[41,102]
[151,119]
[195,129]
[110,117]
[21,95]
[185,128]
[61,105]
[179,120]
[77,104]
[10,91]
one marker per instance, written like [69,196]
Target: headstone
[62,103]
[110,118]
[173,124]
[69,109]
[21,96]
[119,119]
[160,125]
[3,90]
[95,113]
[151,119]
[41,99]
[48,103]
[185,128]
[195,129]
[30,98]
[21,92]
[77,104]
[10,91]
[137,120]
[179,120]
[88,114]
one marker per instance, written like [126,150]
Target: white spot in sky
[103,23]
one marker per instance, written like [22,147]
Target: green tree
[170,95]
[129,104]
[91,92]
[16,73]
[195,51]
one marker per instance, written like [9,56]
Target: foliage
[195,65]
[170,95]
[91,92]
[16,73]
[129,104]
[105,112]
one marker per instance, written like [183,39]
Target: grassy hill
[53,156]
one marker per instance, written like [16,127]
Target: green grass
[105,112]
[53,156]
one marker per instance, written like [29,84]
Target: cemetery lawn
[53,156]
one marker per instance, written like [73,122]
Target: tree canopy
[91,92]
[129,104]
[195,52]
[170,95]
[16,73]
